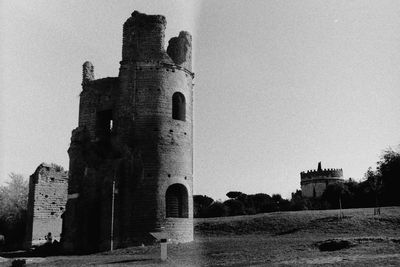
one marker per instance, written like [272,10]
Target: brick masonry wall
[318,184]
[147,152]
[165,144]
[46,203]
[148,79]
[179,230]
[97,95]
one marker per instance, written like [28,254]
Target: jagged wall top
[143,40]
[180,50]
[338,173]
[143,37]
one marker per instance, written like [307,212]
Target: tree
[234,194]
[374,182]
[13,207]
[216,209]
[297,201]
[235,207]
[388,171]
[337,195]
[262,202]
[201,203]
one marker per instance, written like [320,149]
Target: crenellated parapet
[310,174]
[314,182]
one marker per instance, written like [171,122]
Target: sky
[279,85]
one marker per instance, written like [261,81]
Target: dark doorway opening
[176,199]
[104,124]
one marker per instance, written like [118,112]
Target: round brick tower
[131,156]
[314,182]
[154,117]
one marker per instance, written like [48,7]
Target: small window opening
[176,199]
[104,124]
[178,106]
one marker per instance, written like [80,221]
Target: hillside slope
[355,221]
[277,239]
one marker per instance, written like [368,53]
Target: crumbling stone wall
[314,182]
[128,137]
[46,203]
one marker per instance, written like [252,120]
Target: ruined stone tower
[46,203]
[314,182]
[135,131]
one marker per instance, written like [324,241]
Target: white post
[163,244]
[162,238]
[112,218]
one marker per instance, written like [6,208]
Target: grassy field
[279,238]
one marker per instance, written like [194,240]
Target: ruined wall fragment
[180,50]
[46,203]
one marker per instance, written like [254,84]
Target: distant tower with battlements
[314,182]
[135,135]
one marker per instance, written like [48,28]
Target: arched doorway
[176,201]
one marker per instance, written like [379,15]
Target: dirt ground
[277,239]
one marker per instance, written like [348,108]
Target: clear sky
[279,85]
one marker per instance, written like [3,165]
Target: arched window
[176,201]
[178,106]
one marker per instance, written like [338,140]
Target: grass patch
[354,222]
